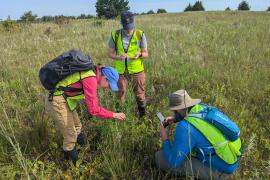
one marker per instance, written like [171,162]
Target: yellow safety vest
[72,101]
[130,65]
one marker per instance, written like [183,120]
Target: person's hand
[123,56]
[163,132]
[120,116]
[137,55]
[169,120]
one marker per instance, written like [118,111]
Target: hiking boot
[80,139]
[71,155]
[141,109]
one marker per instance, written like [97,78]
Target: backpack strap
[61,88]
[69,89]
[197,115]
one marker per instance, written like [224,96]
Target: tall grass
[220,57]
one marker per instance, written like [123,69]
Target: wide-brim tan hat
[181,100]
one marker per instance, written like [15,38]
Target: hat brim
[128,26]
[113,86]
[186,105]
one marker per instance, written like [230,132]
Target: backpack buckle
[51,94]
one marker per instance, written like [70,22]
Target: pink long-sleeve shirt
[90,86]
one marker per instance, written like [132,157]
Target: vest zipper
[126,50]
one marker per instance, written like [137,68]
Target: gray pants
[190,168]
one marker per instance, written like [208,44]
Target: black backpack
[65,64]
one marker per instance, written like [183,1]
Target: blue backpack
[222,122]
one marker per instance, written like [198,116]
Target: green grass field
[221,57]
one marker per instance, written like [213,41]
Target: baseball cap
[127,20]
[112,76]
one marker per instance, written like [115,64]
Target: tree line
[110,9]
[198,6]
[30,17]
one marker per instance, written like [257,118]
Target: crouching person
[200,149]
[62,102]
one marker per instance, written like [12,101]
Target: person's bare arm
[111,53]
[143,53]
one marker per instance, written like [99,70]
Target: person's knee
[157,156]
[68,146]
[160,160]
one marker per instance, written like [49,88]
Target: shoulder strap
[196,115]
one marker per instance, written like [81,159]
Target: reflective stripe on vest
[71,79]
[133,65]
[228,151]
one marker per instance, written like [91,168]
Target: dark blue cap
[127,20]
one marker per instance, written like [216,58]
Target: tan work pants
[66,121]
[138,84]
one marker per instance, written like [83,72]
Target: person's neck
[129,32]
[98,72]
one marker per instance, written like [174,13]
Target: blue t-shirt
[188,138]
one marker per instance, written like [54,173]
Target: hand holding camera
[163,124]
[165,121]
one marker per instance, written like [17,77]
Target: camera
[162,119]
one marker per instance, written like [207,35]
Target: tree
[188,8]
[198,6]
[111,8]
[268,9]
[161,11]
[82,16]
[28,17]
[228,9]
[244,6]
[150,12]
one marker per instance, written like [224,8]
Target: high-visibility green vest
[132,65]
[228,151]
[72,101]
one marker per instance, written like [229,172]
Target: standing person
[128,49]
[211,155]
[61,105]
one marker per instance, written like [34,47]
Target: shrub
[161,11]
[61,20]
[151,12]
[10,25]
[98,23]
[48,31]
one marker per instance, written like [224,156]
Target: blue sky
[15,8]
